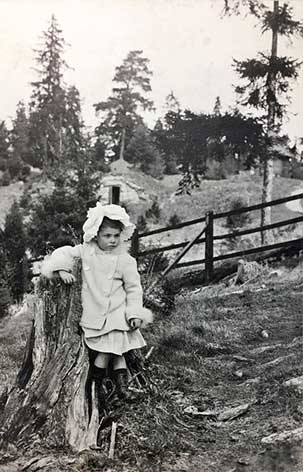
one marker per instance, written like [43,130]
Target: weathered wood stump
[48,399]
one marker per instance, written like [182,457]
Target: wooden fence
[209,238]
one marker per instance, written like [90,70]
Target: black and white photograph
[151,236]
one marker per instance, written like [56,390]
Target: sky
[189,45]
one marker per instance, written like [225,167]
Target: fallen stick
[149,353]
[112,440]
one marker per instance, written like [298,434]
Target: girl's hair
[109,223]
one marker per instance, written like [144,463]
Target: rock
[264,334]
[296,382]
[233,413]
[223,415]
[295,435]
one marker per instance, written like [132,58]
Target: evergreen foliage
[154,212]
[143,153]
[120,113]
[4,142]
[174,220]
[5,296]
[241,219]
[15,249]
[141,224]
[57,219]
[266,81]
[56,129]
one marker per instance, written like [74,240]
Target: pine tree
[47,104]
[75,143]
[4,143]
[19,140]
[57,131]
[143,153]
[120,113]
[19,133]
[266,80]
[217,107]
[15,248]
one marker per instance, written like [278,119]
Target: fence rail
[210,238]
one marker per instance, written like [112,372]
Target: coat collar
[95,250]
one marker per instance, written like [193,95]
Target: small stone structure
[119,185]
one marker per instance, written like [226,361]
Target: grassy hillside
[218,196]
[210,355]
[213,195]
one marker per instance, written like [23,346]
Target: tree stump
[48,400]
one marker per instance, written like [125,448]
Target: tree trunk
[122,145]
[48,402]
[268,167]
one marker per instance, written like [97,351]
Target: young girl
[111,293]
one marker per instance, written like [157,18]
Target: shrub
[241,219]
[152,263]
[215,171]
[154,212]
[6,178]
[25,171]
[5,298]
[3,164]
[142,224]
[14,166]
[15,248]
[174,220]
[171,167]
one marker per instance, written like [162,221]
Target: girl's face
[108,238]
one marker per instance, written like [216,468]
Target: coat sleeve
[62,258]
[133,289]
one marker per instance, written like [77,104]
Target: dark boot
[121,381]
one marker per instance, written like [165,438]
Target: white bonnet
[114,212]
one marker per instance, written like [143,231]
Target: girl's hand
[67,277]
[135,323]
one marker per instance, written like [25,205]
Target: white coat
[111,287]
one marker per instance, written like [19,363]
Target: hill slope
[219,349]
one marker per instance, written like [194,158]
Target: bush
[154,212]
[152,263]
[141,224]
[25,171]
[171,167]
[15,248]
[296,170]
[14,166]
[3,164]
[174,220]
[241,219]
[215,171]
[6,178]
[5,298]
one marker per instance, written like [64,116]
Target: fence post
[209,247]
[134,245]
